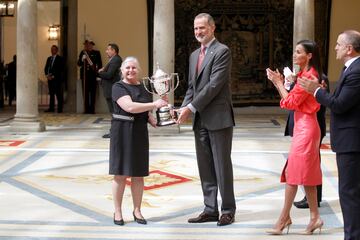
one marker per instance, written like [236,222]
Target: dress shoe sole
[204,221]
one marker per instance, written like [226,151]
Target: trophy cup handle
[176,76]
[144,80]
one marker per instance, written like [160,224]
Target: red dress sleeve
[300,100]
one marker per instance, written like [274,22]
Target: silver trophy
[162,84]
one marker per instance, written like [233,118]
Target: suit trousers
[89,91]
[213,152]
[56,89]
[110,105]
[349,192]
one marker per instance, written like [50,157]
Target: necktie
[201,58]
[52,61]
[51,64]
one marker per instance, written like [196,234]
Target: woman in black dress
[129,141]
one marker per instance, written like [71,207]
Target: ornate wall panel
[259,34]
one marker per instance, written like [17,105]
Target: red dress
[303,165]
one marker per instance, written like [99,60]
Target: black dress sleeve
[118,91]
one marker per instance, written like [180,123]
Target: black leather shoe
[303,204]
[106,135]
[119,222]
[226,219]
[139,220]
[49,110]
[204,217]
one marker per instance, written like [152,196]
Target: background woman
[129,141]
[303,165]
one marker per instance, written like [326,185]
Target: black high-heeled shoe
[119,222]
[139,220]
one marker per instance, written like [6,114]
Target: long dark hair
[311,47]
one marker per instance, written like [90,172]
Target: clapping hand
[310,84]
[275,76]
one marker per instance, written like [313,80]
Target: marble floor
[54,184]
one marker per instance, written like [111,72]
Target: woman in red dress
[303,165]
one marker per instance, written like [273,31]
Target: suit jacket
[56,68]
[209,90]
[344,104]
[110,75]
[11,73]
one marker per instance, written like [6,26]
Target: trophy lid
[159,73]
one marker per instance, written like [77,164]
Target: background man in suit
[11,80]
[209,97]
[322,124]
[89,62]
[344,104]
[54,68]
[110,74]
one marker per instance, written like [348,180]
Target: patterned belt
[122,117]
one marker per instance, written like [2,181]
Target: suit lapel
[343,75]
[193,63]
[208,55]
[339,83]
[107,64]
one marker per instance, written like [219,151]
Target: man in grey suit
[209,98]
[344,104]
[110,74]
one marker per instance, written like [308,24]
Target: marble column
[26,117]
[164,37]
[304,25]
[70,12]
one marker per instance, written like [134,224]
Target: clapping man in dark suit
[344,104]
[110,74]
[54,68]
[209,98]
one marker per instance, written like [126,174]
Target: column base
[27,126]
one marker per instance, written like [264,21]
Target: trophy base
[165,123]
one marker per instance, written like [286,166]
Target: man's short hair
[114,46]
[353,38]
[207,16]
